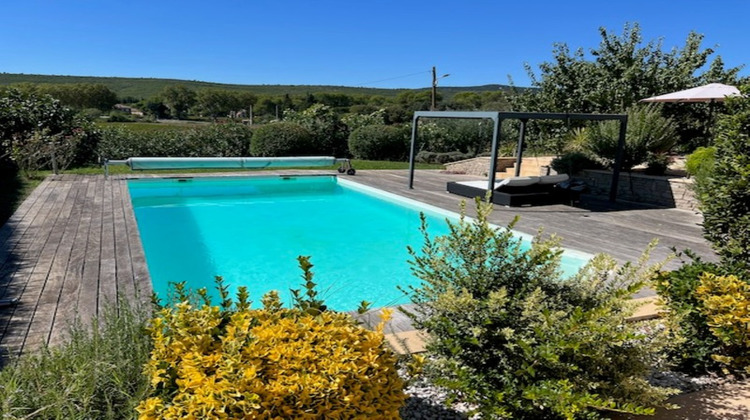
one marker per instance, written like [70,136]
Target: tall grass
[95,374]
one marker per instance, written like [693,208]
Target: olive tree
[622,70]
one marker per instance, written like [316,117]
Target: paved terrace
[74,245]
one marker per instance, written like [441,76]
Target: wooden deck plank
[37,281]
[36,251]
[42,322]
[107,265]
[17,226]
[88,293]
[141,277]
[68,304]
[20,218]
[123,260]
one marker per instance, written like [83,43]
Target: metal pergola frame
[498,117]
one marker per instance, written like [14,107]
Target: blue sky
[389,44]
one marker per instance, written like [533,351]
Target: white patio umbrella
[712,92]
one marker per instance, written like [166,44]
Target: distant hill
[147,87]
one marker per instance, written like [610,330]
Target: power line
[390,78]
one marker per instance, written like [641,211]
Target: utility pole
[433,103]
[434,90]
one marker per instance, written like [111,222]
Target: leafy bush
[694,342]
[329,132]
[726,304]
[572,163]
[446,136]
[379,142]
[509,334]
[648,132]
[218,140]
[230,361]
[701,161]
[33,127]
[282,139]
[353,121]
[95,374]
[657,163]
[725,195]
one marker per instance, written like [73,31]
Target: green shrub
[448,136]
[379,142]
[700,165]
[726,304]
[509,334]
[213,140]
[329,132]
[355,120]
[230,361]
[282,139]
[33,127]
[219,140]
[572,163]
[693,343]
[701,161]
[657,163]
[725,195]
[648,132]
[95,374]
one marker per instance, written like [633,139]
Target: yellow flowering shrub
[726,304]
[216,362]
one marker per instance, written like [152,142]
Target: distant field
[148,87]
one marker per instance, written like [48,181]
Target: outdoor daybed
[520,191]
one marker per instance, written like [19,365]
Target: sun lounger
[519,191]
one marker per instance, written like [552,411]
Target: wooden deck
[73,244]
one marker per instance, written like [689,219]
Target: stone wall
[479,166]
[665,191]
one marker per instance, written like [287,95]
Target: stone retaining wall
[666,191]
[478,166]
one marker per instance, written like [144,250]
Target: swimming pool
[250,231]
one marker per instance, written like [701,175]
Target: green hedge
[213,140]
[379,142]
[282,139]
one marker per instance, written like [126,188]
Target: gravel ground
[427,402]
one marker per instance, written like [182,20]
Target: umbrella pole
[711,121]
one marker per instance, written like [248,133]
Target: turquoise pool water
[251,230]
